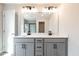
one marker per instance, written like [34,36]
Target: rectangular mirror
[39,22]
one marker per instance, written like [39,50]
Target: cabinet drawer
[39,46]
[39,53]
[39,40]
[54,40]
[24,40]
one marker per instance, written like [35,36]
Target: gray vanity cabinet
[55,47]
[41,47]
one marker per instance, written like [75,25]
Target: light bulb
[54,10]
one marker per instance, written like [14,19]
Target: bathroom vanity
[41,45]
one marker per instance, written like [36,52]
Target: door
[55,49]
[8,30]
[41,27]
[24,49]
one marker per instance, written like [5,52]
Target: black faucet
[29,33]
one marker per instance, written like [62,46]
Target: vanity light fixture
[49,9]
[28,7]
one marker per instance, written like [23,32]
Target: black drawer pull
[55,46]
[39,47]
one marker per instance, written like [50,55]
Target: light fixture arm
[28,7]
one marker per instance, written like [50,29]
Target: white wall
[1,42]
[69,24]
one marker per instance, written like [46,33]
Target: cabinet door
[55,49]
[24,49]
[49,51]
[20,50]
[61,49]
[29,49]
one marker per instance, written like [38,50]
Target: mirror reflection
[29,25]
[40,22]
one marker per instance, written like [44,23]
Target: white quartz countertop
[41,36]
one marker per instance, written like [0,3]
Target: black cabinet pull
[24,46]
[55,46]
[39,40]
[39,47]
